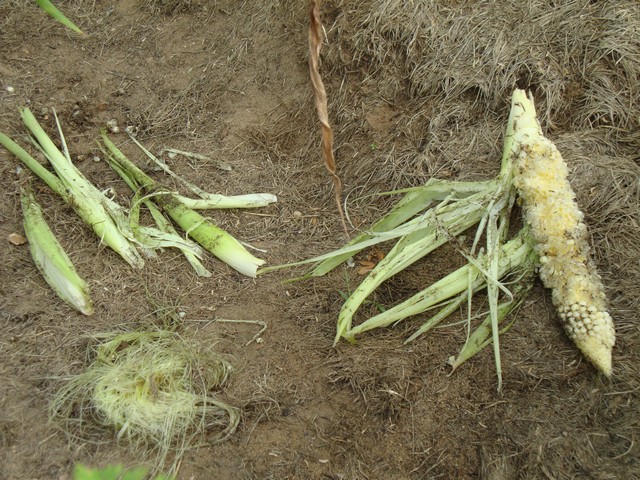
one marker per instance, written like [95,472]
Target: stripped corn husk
[556,224]
[51,259]
[212,238]
[105,217]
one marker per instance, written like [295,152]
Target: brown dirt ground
[230,79]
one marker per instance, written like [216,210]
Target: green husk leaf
[52,261]
[103,215]
[515,253]
[414,201]
[417,226]
[446,221]
[156,238]
[161,222]
[209,200]
[452,306]
[210,237]
[214,201]
[36,167]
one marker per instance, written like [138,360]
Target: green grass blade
[114,472]
[57,15]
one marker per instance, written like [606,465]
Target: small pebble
[9,89]
[16,239]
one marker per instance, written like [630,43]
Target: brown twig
[315,45]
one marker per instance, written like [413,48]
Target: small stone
[16,239]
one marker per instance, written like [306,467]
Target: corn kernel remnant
[557,226]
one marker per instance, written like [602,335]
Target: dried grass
[569,53]
[173,7]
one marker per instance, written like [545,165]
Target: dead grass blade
[315,45]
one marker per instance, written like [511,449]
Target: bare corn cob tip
[561,239]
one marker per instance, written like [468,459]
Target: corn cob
[556,224]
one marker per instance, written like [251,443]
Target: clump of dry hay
[458,63]
[155,390]
[581,58]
